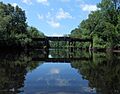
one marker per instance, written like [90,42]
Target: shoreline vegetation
[102,25]
[15,33]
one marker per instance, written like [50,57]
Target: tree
[103,24]
[34,33]
[12,24]
[76,33]
[14,31]
[12,18]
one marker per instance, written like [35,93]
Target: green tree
[76,33]
[12,19]
[34,33]
[14,31]
[103,25]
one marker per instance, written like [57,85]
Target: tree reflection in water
[13,69]
[103,73]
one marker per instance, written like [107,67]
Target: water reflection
[55,78]
[13,69]
[66,53]
[103,73]
[19,73]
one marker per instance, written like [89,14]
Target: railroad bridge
[70,40]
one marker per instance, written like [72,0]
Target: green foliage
[12,18]
[14,30]
[34,33]
[102,25]
[76,33]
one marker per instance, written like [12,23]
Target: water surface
[21,73]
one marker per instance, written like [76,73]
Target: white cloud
[88,7]
[14,4]
[53,18]
[62,82]
[27,2]
[53,23]
[40,17]
[61,14]
[54,71]
[44,2]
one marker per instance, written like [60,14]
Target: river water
[59,72]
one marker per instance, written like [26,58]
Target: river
[59,72]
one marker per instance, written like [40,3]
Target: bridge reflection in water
[64,56]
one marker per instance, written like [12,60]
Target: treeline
[14,30]
[103,25]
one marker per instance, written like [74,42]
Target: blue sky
[55,17]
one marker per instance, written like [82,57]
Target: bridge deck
[62,39]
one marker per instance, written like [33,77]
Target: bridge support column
[47,45]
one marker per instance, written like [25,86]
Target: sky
[55,17]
